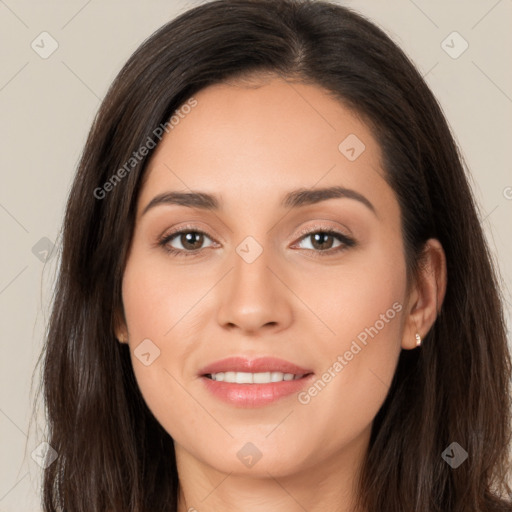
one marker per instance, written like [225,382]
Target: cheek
[361,308]
[160,305]
[156,296]
[361,298]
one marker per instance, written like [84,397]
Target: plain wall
[48,105]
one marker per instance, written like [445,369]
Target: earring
[418,340]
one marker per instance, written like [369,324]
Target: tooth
[261,378]
[229,376]
[254,378]
[276,376]
[243,378]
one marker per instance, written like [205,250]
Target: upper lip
[260,364]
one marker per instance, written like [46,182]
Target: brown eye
[191,240]
[186,242]
[324,240]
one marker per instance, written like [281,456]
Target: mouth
[253,378]
[246,383]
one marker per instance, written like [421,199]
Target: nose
[254,296]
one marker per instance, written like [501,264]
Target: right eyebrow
[200,200]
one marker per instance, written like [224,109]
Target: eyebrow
[293,199]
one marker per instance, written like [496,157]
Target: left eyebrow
[302,197]
[293,199]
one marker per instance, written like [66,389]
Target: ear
[427,294]
[121,330]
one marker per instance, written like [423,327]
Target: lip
[260,364]
[254,395]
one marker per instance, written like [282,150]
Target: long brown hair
[112,453]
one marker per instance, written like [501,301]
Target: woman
[275,293]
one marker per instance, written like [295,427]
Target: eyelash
[346,241]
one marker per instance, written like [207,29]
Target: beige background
[48,104]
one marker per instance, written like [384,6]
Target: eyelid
[323,228]
[185,228]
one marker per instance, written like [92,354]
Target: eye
[189,241]
[324,240]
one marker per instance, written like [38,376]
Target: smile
[245,382]
[253,378]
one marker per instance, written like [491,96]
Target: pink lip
[262,364]
[254,395]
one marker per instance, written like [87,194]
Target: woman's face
[290,260]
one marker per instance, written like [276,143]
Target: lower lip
[254,395]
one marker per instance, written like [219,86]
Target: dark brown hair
[112,453]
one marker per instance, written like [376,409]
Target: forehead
[287,118]
[249,139]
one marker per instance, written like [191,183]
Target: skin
[250,144]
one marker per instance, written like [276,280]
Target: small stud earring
[418,340]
